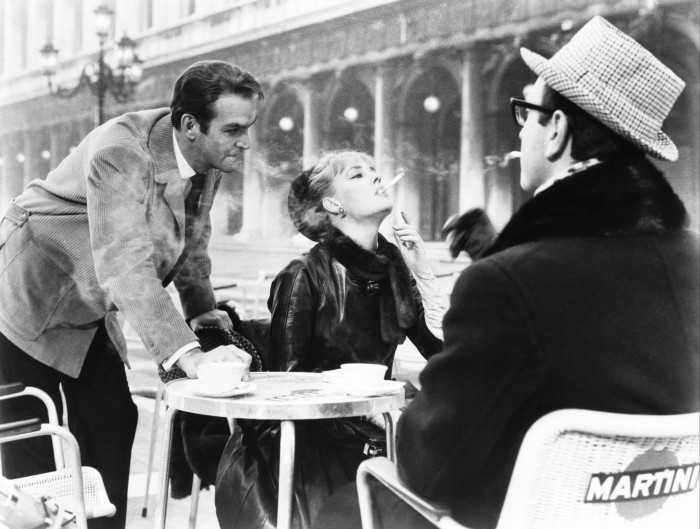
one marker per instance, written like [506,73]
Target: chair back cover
[58,486]
[579,468]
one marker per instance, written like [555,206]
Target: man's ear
[189,126]
[331,205]
[558,136]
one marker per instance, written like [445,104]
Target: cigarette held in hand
[407,244]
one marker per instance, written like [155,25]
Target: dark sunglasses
[520,109]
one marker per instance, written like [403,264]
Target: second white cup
[359,374]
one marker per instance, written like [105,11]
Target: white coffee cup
[359,374]
[221,376]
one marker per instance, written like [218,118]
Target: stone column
[312,126]
[58,145]
[85,127]
[32,153]
[382,123]
[252,189]
[4,174]
[383,156]
[13,170]
[471,170]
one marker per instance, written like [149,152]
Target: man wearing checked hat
[587,299]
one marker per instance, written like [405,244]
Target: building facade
[421,84]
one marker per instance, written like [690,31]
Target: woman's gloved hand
[412,247]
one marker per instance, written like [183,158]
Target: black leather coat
[323,316]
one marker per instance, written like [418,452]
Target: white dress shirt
[185,172]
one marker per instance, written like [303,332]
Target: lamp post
[99,76]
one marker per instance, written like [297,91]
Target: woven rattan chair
[74,487]
[579,468]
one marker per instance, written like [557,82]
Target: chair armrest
[34,428]
[384,471]
[19,427]
[9,389]
[17,389]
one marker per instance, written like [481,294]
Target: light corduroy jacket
[101,234]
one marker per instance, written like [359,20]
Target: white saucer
[197,387]
[386,387]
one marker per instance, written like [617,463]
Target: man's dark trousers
[101,415]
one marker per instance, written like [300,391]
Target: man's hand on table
[213,318]
[189,362]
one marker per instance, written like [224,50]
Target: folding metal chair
[74,487]
[579,468]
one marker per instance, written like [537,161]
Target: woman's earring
[341,210]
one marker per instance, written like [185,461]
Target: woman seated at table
[351,298]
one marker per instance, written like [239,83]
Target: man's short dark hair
[200,86]
[589,137]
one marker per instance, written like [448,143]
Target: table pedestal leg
[194,501]
[286,477]
[162,501]
[389,429]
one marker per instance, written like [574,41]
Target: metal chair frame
[74,471]
[19,390]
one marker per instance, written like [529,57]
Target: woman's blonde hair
[308,190]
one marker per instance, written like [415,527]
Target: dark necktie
[191,209]
[192,202]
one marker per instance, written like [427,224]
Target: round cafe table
[281,396]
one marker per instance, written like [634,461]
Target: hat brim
[654,142]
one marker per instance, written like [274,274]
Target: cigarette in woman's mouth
[400,173]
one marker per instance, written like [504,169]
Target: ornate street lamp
[103,21]
[99,77]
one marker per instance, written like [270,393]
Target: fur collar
[619,197]
[397,306]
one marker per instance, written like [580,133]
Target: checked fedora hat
[617,81]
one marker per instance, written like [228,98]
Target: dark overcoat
[588,299]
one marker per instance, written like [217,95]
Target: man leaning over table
[126,213]
[589,297]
